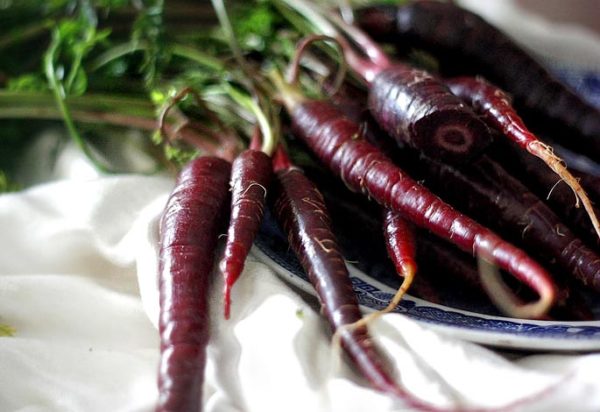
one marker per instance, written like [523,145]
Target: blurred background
[583,12]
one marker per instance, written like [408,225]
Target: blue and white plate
[465,320]
[469,325]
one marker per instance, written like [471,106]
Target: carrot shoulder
[419,110]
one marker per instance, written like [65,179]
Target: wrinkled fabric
[78,284]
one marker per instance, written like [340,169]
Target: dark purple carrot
[300,210]
[335,141]
[534,174]
[447,275]
[250,177]
[467,44]
[495,106]
[409,102]
[491,195]
[445,265]
[189,230]
[400,245]
[412,105]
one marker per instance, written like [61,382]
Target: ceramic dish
[476,327]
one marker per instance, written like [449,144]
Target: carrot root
[545,152]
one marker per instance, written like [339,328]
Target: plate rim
[509,339]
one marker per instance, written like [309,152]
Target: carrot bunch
[430,152]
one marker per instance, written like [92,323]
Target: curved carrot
[250,177]
[466,43]
[300,210]
[333,138]
[487,192]
[495,106]
[188,237]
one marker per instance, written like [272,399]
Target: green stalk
[91,102]
[59,97]
[219,7]
[194,55]
[52,113]
[269,140]
[180,50]
[305,9]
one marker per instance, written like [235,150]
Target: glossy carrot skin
[250,178]
[446,275]
[467,44]
[189,230]
[300,210]
[363,168]
[490,194]
[495,105]
[417,109]
[399,241]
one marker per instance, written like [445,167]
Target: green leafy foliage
[149,29]
[254,25]
[124,48]
[178,155]
[30,82]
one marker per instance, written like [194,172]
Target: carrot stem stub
[188,237]
[417,109]
[250,177]
[363,168]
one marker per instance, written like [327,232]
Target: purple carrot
[300,210]
[489,193]
[400,244]
[495,106]
[467,44]
[189,231]
[334,140]
[250,178]
[412,105]
[533,173]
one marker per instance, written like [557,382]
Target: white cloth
[78,284]
[73,256]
